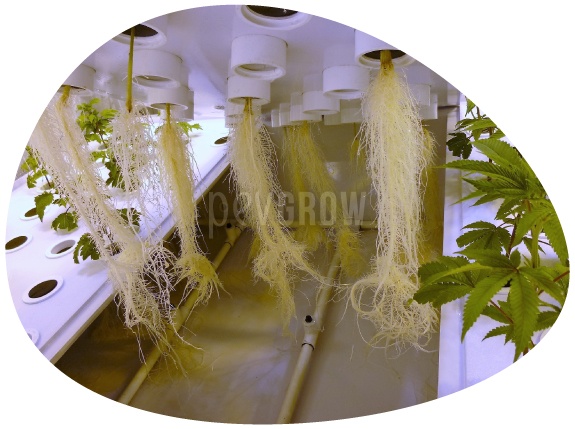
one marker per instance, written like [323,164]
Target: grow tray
[54,317]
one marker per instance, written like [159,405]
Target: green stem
[535,259]
[65,94]
[513,235]
[130,67]
[556,279]
[386,60]
[501,311]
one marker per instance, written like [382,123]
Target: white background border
[512,58]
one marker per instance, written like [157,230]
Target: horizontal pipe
[312,328]
[233,232]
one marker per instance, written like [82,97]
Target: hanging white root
[136,269]
[131,145]
[395,147]
[307,169]
[253,165]
[178,183]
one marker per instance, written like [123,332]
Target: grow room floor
[243,361]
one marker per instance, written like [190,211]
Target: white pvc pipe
[182,313]
[312,328]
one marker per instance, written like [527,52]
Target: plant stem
[556,279]
[248,105]
[385,60]
[501,311]
[535,260]
[130,66]
[513,235]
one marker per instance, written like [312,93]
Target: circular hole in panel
[375,55]
[271,12]
[273,17]
[63,248]
[17,243]
[42,290]
[152,81]
[372,58]
[258,68]
[142,31]
[31,213]
[144,36]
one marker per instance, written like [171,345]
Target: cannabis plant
[504,252]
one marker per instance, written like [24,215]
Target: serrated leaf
[130,215]
[42,201]
[499,151]
[115,178]
[496,190]
[450,274]
[528,221]
[508,207]
[489,258]
[546,319]
[542,278]
[99,154]
[32,178]
[486,168]
[480,296]
[439,294]
[61,202]
[86,248]
[515,258]
[484,235]
[523,300]
[460,145]
[500,330]
[554,233]
[495,314]
[480,124]
[487,198]
[470,106]
[65,221]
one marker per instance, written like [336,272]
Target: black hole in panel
[375,55]
[42,289]
[272,12]
[141,31]
[15,242]
[30,213]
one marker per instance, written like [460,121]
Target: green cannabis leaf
[502,254]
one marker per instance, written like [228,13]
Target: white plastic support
[259,56]
[364,44]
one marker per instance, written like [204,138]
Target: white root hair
[394,144]
[136,268]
